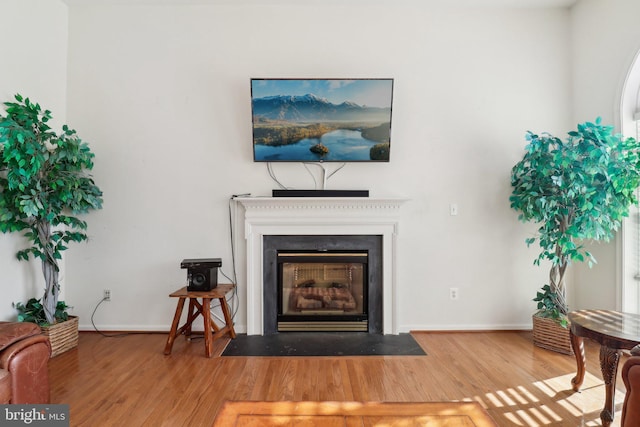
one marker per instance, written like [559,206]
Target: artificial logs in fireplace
[322,291]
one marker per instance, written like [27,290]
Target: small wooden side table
[211,330]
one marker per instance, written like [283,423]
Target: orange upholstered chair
[631,378]
[24,358]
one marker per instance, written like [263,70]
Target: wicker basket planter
[63,336]
[550,335]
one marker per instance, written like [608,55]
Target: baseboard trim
[242,329]
[467,328]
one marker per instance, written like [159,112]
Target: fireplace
[261,219]
[322,283]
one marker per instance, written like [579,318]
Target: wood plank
[129,381]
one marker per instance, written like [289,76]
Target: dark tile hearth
[323,344]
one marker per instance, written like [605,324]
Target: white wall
[605,40]
[34,64]
[162,94]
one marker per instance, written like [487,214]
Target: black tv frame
[298,108]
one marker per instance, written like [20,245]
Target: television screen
[321,120]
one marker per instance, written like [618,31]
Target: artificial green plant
[44,185]
[576,190]
[33,311]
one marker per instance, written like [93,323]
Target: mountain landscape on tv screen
[311,108]
[311,128]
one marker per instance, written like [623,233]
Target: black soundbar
[320,193]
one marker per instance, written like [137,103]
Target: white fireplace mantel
[265,216]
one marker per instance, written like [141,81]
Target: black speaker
[202,274]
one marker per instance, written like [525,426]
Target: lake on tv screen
[343,145]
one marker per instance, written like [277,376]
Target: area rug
[434,414]
[323,344]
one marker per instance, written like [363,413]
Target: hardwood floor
[129,381]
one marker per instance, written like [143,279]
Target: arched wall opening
[629,111]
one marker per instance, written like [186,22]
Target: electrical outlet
[453,293]
[107,295]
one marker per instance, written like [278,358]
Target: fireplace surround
[322,283]
[322,216]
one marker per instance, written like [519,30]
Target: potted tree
[577,190]
[44,185]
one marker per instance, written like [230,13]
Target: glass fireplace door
[322,291]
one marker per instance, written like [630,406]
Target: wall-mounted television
[321,120]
